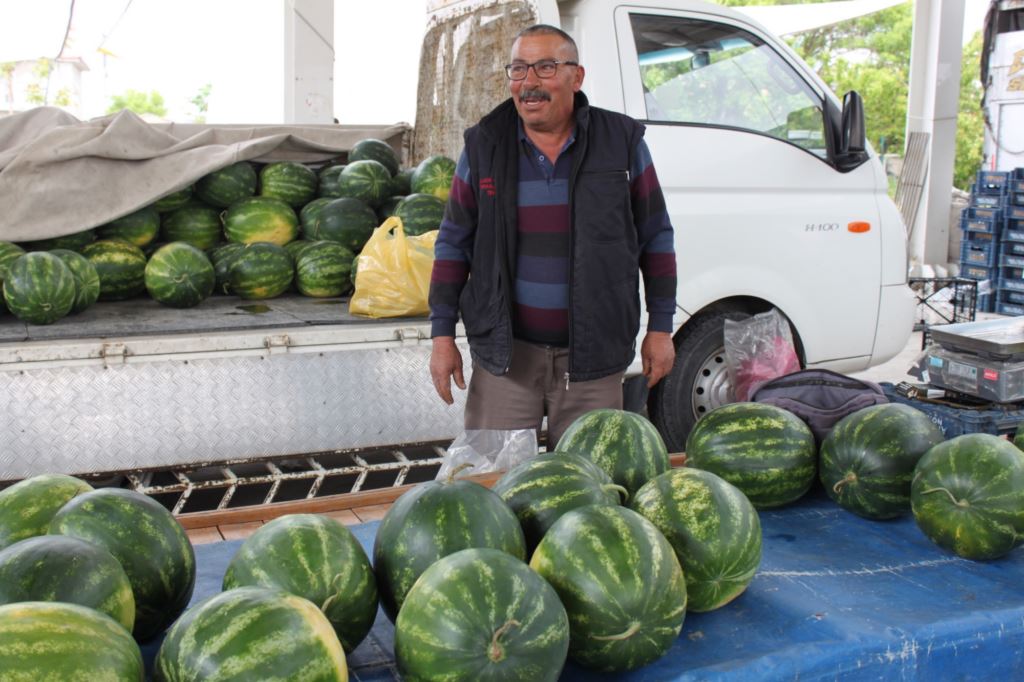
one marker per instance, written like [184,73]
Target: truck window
[699,72]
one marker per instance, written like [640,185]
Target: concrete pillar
[933,104]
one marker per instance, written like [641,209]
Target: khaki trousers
[536,386]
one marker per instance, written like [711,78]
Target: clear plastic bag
[489,450]
[758,349]
[393,273]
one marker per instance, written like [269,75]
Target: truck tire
[698,382]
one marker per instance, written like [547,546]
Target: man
[554,211]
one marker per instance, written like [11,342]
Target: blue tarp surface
[836,596]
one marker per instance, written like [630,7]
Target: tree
[139,102]
[201,103]
[7,71]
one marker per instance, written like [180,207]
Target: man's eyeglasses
[545,68]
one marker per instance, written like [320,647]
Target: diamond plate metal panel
[89,419]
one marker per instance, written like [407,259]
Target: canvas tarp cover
[59,175]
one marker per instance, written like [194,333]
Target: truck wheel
[698,382]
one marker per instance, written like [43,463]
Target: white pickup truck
[775,197]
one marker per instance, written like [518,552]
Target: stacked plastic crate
[983,224]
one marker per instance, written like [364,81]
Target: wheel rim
[711,388]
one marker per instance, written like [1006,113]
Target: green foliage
[139,102]
[201,103]
[970,123]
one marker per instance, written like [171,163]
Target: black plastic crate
[991,182]
[943,300]
[961,415]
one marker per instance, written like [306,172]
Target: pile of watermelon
[251,231]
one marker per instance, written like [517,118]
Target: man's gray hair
[548,29]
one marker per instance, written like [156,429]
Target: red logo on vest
[487,185]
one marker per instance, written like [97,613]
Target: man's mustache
[534,94]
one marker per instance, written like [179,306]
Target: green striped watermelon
[221,257]
[139,228]
[310,212]
[967,495]
[624,444]
[223,187]
[194,224]
[261,270]
[1018,437]
[179,275]
[433,175]
[369,181]
[435,519]
[27,507]
[261,219]
[87,281]
[317,558]
[420,213]
[713,528]
[58,568]
[39,288]
[55,642]
[543,488]
[174,200]
[148,542]
[323,268]
[9,252]
[375,150]
[121,267]
[620,583]
[868,459]
[296,247]
[328,181]
[387,208]
[347,221]
[73,242]
[401,182]
[249,634]
[763,450]
[480,614]
[288,181]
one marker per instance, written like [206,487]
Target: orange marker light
[858,226]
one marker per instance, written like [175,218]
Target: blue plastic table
[836,596]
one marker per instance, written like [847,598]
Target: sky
[177,47]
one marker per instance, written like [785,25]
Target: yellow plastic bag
[393,274]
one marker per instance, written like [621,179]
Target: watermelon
[328,181]
[288,181]
[27,507]
[223,187]
[261,270]
[121,267]
[620,583]
[73,242]
[369,181]
[435,519]
[251,633]
[543,488]
[624,444]
[967,495]
[1018,437]
[713,528]
[375,150]
[179,275]
[261,219]
[9,252]
[221,257]
[868,459]
[139,228]
[480,614]
[420,213]
[194,224]
[401,182]
[58,568]
[174,200]
[296,247]
[317,558]
[148,542]
[347,221]
[87,281]
[310,212]
[387,207]
[763,450]
[323,268]
[433,175]
[39,288]
[55,642]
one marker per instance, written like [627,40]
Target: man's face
[545,104]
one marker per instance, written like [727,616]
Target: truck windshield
[703,72]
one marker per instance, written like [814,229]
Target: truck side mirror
[852,124]
[844,132]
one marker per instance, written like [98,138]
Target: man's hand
[657,353]
[445,363]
